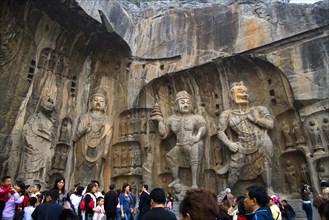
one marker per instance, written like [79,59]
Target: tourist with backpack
[76,197]
[88,202]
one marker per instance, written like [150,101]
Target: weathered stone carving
[298,133]
[143,123]
[92,139]
[253,150]
[138,157]
[180,191]
[289,81]
[322,171]
[291,177]
[189,129]
[315,137]
[148,164]
[65,132]
[60,157]
[127,159]
[325,128]
[11,37]
[117,158]
[286,133]
[38,138]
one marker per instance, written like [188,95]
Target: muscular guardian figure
[189,129]
[252,149]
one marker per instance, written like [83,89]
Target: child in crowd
[99,210]
[273,203]
[39,198]
[29,208]
[5,192]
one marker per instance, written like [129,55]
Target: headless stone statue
[37,135]
[65,132]
[190,129]
[315,137]
[92,139]
[325,128]
[291,177]
[298,133]
[286,134]
[253,150]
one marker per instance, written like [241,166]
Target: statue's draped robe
[93,138]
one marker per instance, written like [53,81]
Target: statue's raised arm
[190,129]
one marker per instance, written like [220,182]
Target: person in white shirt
[28,210]
[99,210]
[76,197]
[36,190]
[276,213]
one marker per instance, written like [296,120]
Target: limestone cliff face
[195,33]
[145,53]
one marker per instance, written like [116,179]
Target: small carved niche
[31,71]
[60,157]
[273,98]
[65,132]
[73,86]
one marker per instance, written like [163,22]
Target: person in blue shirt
[256,204]
[125,201]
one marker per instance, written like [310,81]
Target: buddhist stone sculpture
[190,129]
[291,177]
[37,135]
[315,137]
[298,133]
[325,128]
[92,139]
[286,134]
[252,150]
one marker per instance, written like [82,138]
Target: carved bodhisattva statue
[291,177]
[37,135]
[252,150]
[286,134]
[190,130]
[92,139]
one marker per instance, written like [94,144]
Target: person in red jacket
[5,192]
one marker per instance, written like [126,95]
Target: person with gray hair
[229,197]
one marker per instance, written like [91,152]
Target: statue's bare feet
[194,186]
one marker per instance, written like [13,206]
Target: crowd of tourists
[19,201]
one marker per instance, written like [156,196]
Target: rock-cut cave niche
[209,84]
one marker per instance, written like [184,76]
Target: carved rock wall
[146,53]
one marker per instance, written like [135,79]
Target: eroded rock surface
[145,53]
